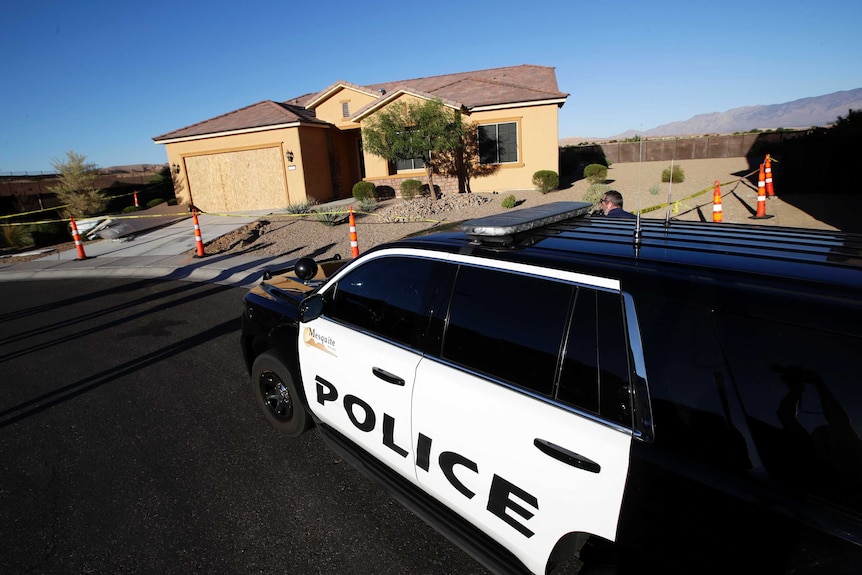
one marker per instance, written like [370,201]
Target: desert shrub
[367,205]
[330,217]
[363,190]
[130,209]
[155,202]
[595,192]
[172,202]
[596,173]
[76,185]
[160,177]
[676,177]
[654,189]
[305,207]
[411,189]
[546,180]
[16,236]
[509,202]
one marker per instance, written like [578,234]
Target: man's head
[610,200]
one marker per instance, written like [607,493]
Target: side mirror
[311,308]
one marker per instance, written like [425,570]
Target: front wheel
[275,392]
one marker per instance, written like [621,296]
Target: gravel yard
[281,234]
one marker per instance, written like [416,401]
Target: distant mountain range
[803,113]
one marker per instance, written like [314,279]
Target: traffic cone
[354,242]
[78,244]
[137,205]
[761,197]
[199,242]
[717,215]
[767,169]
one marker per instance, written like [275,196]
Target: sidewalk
[163,253]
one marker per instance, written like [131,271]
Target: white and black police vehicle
[647,395]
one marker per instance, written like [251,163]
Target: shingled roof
[495,86]
[521,84]
[265,114]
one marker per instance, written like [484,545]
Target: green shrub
[305,207]
[16,236]
[595,192]
[367,205]
[155,202]
[130,209]
[677,177]
[546,180]
[509,202]
[654,189]
[411,189]
[172,202]
[330,217]
[49,233]
[363,190]
[596,173]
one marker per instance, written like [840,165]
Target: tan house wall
[538,147]
[312,165]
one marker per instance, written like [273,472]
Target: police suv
[541,384]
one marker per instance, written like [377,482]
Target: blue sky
[103,78]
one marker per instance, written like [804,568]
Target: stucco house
[272,154]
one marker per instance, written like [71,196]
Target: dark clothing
[620,213]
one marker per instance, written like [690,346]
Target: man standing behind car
[612,205]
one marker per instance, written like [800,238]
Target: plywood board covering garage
[237,181]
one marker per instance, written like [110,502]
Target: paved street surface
[129,443]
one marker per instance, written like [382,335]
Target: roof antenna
[670,187]
[637,237]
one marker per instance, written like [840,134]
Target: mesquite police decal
[317,340]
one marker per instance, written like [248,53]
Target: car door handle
[566,456]
[386,376]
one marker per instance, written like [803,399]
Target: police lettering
[362,416]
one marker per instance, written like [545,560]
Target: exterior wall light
[289,155]
[175,168]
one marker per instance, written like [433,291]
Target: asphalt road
[129,443]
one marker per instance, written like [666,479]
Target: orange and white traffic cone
[767,169]
[717,214]
[77,237]
[761,197]
[135,194]
[354,241]
[199,242]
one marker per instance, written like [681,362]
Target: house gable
[338,103]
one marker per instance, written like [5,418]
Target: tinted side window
[800,389]
[508,326]
[595,374]
[393,297]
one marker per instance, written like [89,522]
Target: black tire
[272,384]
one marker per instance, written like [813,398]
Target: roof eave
[388,98]
[558,101]
[328,92]
[235,132]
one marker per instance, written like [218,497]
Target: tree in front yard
[409,131]
[76,186]
[463,162]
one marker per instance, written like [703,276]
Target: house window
[345,109]
[498,143]
[411,164]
